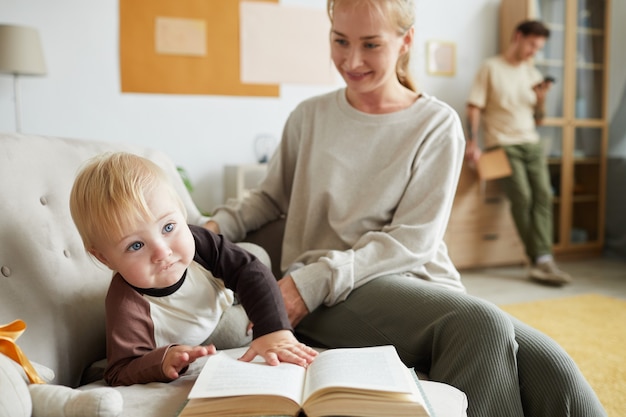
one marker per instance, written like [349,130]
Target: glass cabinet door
[586,185]
[574,132]
[551,59]
[590,41]
[590,74]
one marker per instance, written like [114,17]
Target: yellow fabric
[591,329]
[8,335]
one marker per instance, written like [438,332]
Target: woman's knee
[541,356]
[479,319]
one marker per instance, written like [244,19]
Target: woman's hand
[294,304]
[212,226]
[178,358]
[280,346]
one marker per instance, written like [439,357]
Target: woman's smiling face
[365,46]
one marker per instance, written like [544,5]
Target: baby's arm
[133,356]
[259,295]
[280,346]
[178,358]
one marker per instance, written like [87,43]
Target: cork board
[162,50]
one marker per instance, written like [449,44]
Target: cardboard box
[493,164]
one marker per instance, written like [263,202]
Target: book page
[224,376]
[374,368]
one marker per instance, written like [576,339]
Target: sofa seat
[167,399]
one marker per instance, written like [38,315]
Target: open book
[359,382]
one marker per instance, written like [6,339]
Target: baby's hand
[280,346]
[179,357]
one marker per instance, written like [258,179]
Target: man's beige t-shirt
[504,93]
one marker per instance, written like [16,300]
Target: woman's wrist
[212,226]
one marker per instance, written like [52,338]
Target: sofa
[50,283]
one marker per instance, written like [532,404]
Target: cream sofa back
[46,278]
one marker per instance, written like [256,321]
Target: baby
[172,281]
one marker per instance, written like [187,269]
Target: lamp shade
[20,51]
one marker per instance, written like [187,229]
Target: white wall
[472,26]
[80,96]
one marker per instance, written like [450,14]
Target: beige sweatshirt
[504,93]
[365,195]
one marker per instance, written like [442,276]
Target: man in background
[508,96]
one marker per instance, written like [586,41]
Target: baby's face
[155,253]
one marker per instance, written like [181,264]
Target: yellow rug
[592,329]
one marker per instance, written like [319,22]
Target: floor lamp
[20,54]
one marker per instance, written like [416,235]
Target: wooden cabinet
[575,131]
[481,231]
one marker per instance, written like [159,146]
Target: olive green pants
[505,367]
[529,191]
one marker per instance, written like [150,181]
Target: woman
[366,176]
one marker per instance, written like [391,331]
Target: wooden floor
[505,285]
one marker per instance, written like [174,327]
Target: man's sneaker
[548,273]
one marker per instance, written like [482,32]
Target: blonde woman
[366,176]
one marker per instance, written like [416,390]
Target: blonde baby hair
[108,195]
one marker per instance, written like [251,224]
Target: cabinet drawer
[481,216]
[488,248]
[481,231]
